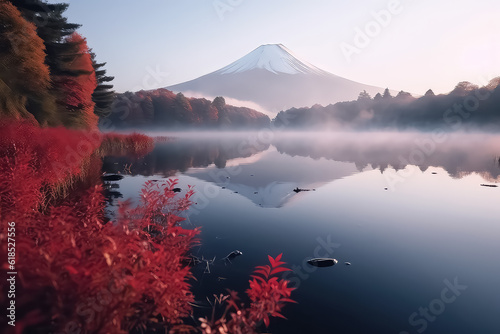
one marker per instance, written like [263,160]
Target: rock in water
[112,177]
[298,190]
[322,262]
[489,185]
[347,263]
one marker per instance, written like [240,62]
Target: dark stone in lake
[298,190]
[347,263]
[112,177]
[176,190]
[322,262]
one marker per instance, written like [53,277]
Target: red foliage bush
[117,145]
[76,273]
[35,161]
[268,295]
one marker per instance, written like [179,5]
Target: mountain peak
[275,58]
[272,77]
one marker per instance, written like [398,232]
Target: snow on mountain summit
[272,77]
[275,58]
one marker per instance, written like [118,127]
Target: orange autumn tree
[74,92]
[24,77]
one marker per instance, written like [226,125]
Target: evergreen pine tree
[103,95]
[387,94]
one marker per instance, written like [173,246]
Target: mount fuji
[275,79]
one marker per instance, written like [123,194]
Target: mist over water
[458,153]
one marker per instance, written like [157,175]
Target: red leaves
[118,145]
[274,262]
[74,92]
[35,163]
[107,277]
[279,270]
[263,270]
[268,294]
[71,270]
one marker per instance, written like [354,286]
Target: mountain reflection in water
[266,172]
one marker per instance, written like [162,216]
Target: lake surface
[408,211]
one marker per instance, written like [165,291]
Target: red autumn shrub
[35,161]
[76,273]
[268,295]
[135,145]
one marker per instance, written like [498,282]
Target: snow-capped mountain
[275,58]
[275,79]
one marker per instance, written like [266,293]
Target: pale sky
[420,45]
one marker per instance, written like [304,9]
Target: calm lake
[416,215]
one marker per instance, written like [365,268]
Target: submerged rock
[489,185]
[298,190]
[347,263]
[112,177]
[322,262]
